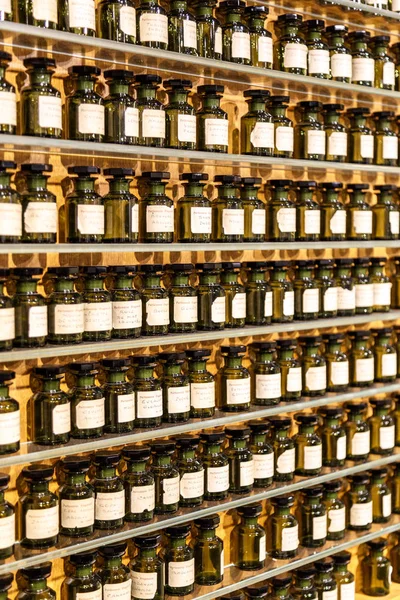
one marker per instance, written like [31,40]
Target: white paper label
[91,119]
[316,378]
[217,479]
[348,591]
[319,528]
[364,295]
[187,124]
[82,14]
[364,369]
[216,132]
[262,135]
[386,437]
[77,513]
[202,395]
[7,532]
[258,221]
[127,315]
[144,585]
[295,56]
[50,112]
[313,457]
[142,498]
[331,299]
[181,574]
[10,427]
[290,538]
[178,399]
[293,380]
[263,548]
[268,386]
[387,505]
[200,219]
[241,45]
[8,100]
[338,222]
[288,304]
[366,146]
[126,408]
[286,218]
[41,217]
[45,10]
[37,321]
[284,139]
[90,219]
[388,73]
[382,293]
[149,404]
[10,219]
[127,24]
[341,444]
[286,462]
[362,221]
[69,318]
[363,69]
[346,298]
[98,316]
[311,301]
[263,465]
[153,28]
[185,309]
[268,304]
[318,61]
[238,391]
[341,65]
[190,34]
[330,595]
[315,141]
[239,306]
[110,506]
[246,473]
[312,221]
[7,324]
[389,365]
[218,310]
[361,514]
[170,487]
[118,591]
[61,419]
[390,147]
[157,311]
[337,520]
[360,444]
[233,221]
[90,414]
[340,373]
[153,122]
[159,219]
[394,222]
[218,41]
[131,115]
[265,49]
[192,484]
[41,523]
[337,143]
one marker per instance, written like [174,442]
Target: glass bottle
[81,578]
[358,503]
[318,53]
[376,569]
[148,392]
[120,111]
[306,291]
[138,483]
[259,305]
[155,307]
[395,489]
[254,210]
[282,291]
[303,584]
[5,584]
[126,303]
[235,295]
[236,45]
[180,115]
[265,375]
[248,539]
[152,25]
[386,142]
[360,136]
[309,133]
[284,138]
[308,214]
[191,471]
[84,208]
[182,29]
[7,522]
[234,380]
[385,213]
[312,518]
[291,369]
[216,465]
[396,415]
[202,384]
[84,107]
[49,421]
[282,529]
[363,64]
[9,416]
[10,206]
[336,134]
[98,313]
[208,551]
[344,578]
[87,401]
[241,470]
[41,108]
[341,60]
[156,209]
[395,295]
[328,288]
[280,587]
[175,386]
[361,359]
[357,431]
[38,508]
[116,20]
[8,97]
[385,356]
[33,583]
[394,560]
[382,428]
[290,50]
[65,307]
[381,495]
[333,436]
[227,210]
[308,445]
[7,313]
[166,477]
[147,562]
[364,287]
[346,301]
[284,448]
[211,297]
[183,303]
[333,211]
[76,498]
[209,31]
[39,206]
[152,121]
[256,126]
[212,121]
[263,454]
[325,581]
[178,559]
[115,576]
[109,503]
[261,48]
[335,509]
[119,396]
[314,365]
[31,327]
[384,64]
[193,210]
[281,211]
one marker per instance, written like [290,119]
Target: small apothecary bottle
[248,539]
[31,327]
[265,375]
[191,471]
[235,295]
[208,551]
[76,497]
[211,297]
[376,569]
[193,210]
[166,477]
[50,408]
[120,110]
[155,302]
[284,448]
[109,495]
[175,386]
[66,312]
[119,396]
[138,483]
[156,209]
[183,302]
[358,502]
[39,206]
[152,122]
[147,562]
[202,384]
[180,115]
[87,401]
[10,416]
[84,107]
[7,521]
[282,529]
[357,431]
[216,465]
[98,313]
[234,380]
[241,469]
[81,577]
[33,579]
[179,562]
[212,121]
[263,454]
[84,208]
[148,392]
[308,445]
[41,106]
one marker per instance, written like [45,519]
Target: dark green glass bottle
[178,559]
[336,133]
[386,150]
[49,407]
[119,396]
[284,448]
[282,291]
[241,469]
[335,510]
[182,29]
[7,523]
[358,503]
[328,288]
[284,130]
[166,477]
[148,392]
[248,539]
[180,115]
[202,384]
[363,64]
[84,208]
[361,358]
[109,494]
[395,489]
[376,569]
[333,211]
[261,48]
[87,401]
[193,210]
[80,577]
[216,465]
[76,497]
[381,495]
[312,517]
[38,508]
[381,425]
[306,291]
[254,210]
[235,296]
[8,97]
[152,122]
[33,583]
[346,293]
[120,110]
[282,529]
[281,211]
[303,584]
[211,297]
[385,213]
[357,431]
[340,56]
[290,50]
[98,315]
[308,445]
[191,471]
[345,579]
[30,309]
[227,210]
[257,126]
[209,31]
[115,576]
[314,365]
[10,206]
[208,551]
[318,64]
[39,206]
[147,569]
[291,369]
[308,213]
[183,303]
[84,107]
[212,121]
[78,17]
[333,436]
[156,209]
[265,375]
[138,484]
[364,287]
[5,584]
[309,133]
[155,302]
[263,454]
[325,581]
[394,559]
[259,298]
[116,20]
[126,303]
[360,136]
[279,587]
[41,108]
[385,355]
[152,25]
[65,307]
[10,416]
[235,33]
[234,380]
[175,386]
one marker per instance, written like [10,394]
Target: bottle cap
[119,74]
[289,18]
[336,29]
[111,550]
[212,437]
[78,368]
[333,106]
[197,354]
[38,472]
[207,522]
[251,181]
[344,262]
[378,473]
[156,175]
[210,90]
[333,486]
[7,578]
[250,510]
[310,339]
[227,179]
[341,558]
[63,271]
[83,170]
[37,572]
[4,481]
[115,363]
[357,187]
[75,464]
[142,360]
[355,406]
[303,419]
[208,267]
[81,70]
[280,581]
[331,185]
[122,269]
[359,478]
[231,266]
[6,376]
[325,262]
[177,84]
[151,268]
[313,492]
[193,177]
[147,79]
[118,172]
[180,267]
[162,447]
[150,540]
[172,357]
[5,56]
[283,501]
[36,168]
[333,337]
[233,350]
[105,458]
[278,100]
[256,11]
[260,94]
[187,441]
[237,432]
[178,531]
[83,558]
[26,271]
[307,572]
[286,343]
[266,346]
[278,422]
[259,426]
[381,403]
[358,111]
[49,371]
[333,412]
[39,62]
[7,164]
[359,334]
[385,331]
[310,104]
[257,590]
[324,565]
[308,184]
[318,24]
[136,453]
[362,262]
[377,544]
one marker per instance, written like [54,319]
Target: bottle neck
[180,279]
[207,534]
[249,193]
[280,434]
[211,102]
[50,385]
[324,273]
[145,92]
[265,357]
[212,448]
[286,354]
[382,124]
[162,460]
[124,283]
[249,521]
[194,189]
[207,278]
[330,196]
[36,487]
[307,429]
[361,271]
[256,105]
[177,543]
[256,276]
[333,348]
[144,373]
[173,369]
[233,362]
[311,350]
[277,111]
[310,116]
[305,195]
[157,188]
[115,377]
[106,472]
[358,121]
[204,11]
[94,283]
[26,286]
[113,562]
[85,381]
[36,183]
[282,511]
[64,285]
[147,553]
[187,454]
[331,118]
[136,466]
[359,46]
[178,97]
[84,184]
[279,194]
[380,50]
[5,180]
[344,271]
[305,274]
[237,444]
[379,411]
[75,478]
[40,77]
[377,270]
[197,366]
[119,88]
[84,571]
[152,281]
[119,186]
[228,191]
[233,17]
[229,277]
[37,585]
[85,84]
[278,274]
